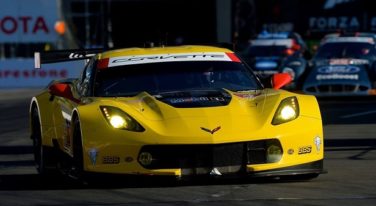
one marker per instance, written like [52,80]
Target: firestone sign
[28,21]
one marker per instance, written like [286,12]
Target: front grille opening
[227,157]
[338,88]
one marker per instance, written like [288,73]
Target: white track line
[358,114]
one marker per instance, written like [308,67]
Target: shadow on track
[348,110]
[350,143]
[36,182]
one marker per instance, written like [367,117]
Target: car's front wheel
[77,167]
[45,158]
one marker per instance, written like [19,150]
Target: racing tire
[44,156]
[78,163]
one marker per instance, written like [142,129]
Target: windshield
[158,78]
[354,50]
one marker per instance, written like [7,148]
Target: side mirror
[281,79]
[62,90]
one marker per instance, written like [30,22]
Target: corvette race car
[271,53]
[344,65]
[173,111]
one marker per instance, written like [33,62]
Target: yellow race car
[173,111]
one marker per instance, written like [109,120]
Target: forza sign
[332,23]
[28,21]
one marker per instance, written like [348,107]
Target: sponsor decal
[211,131]
[317,142]
[338,69]
[93,154]
[128,159]
[195,99]
[305,150]
[111,160]
[177,57]
[79,55]
[215,172]
[337,76]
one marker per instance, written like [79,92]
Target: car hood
[245,112]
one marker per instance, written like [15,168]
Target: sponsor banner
[177,57]
[20,73]
[28,21]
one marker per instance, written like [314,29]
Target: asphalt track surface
[350,159]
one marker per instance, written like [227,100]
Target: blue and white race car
[344,65]
[272,53]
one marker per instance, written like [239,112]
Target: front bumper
[229,159]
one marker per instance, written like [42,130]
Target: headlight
[290,71]
[288,110]
[120,120]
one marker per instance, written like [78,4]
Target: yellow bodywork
[248,117]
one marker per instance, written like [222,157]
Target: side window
[84,86]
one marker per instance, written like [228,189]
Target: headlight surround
[288,110]
[118,119]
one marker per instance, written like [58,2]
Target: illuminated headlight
[120,120]
[288,110]
[290,71]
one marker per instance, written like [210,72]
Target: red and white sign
[28,21]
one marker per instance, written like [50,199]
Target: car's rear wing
[63,55]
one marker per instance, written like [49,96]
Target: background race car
[344,65]
[271,53]
[175,111]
